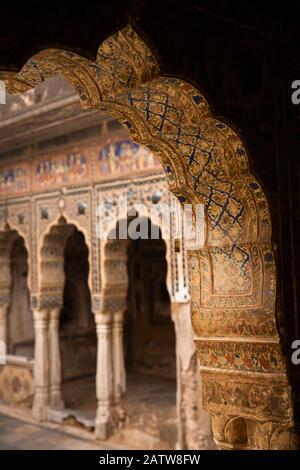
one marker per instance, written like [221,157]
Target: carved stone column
[193,422]
[3,323]
[119,375]
[41,365]
[54,359]
[104,378]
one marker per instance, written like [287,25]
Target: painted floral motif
[254,357]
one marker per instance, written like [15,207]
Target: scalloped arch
[51,261]
[233,278]
[7,238]
[116,250]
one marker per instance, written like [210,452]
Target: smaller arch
[77,332]
[136,299]
[51,257]
[120,247]
[7,238]
[16,328]
[23,232]
[236,432]
[20,321]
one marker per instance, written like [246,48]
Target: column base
[39,408]
[57,402]
[103,430]
[119,413]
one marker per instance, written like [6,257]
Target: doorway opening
[149,346]
[20,322]
[78,341]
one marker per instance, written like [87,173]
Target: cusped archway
[233,276]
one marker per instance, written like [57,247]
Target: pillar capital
[40,315]
[40,302]
[54,314]
[118,316]
[102,318]
[96,302]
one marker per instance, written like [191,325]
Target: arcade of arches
[116,368]
[244,379]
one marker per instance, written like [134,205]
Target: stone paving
[18,435]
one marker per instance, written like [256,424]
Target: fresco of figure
[124,156]
[104,160]
[77,166]
[14,180]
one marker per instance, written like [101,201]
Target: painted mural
[14,180]
[61,170]
[125,157]
[75,166]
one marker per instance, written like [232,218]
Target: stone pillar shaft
[54,359]
[41,365]
[104,375]
[118,355]
[193,422]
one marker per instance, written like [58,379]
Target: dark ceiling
[231,50]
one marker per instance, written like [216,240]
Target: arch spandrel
[233,277]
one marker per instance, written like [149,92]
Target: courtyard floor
[17,435]
[149,419]
[149,410]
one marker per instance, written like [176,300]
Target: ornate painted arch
[114,258]
[50,255]
[233,280]
[8,235]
